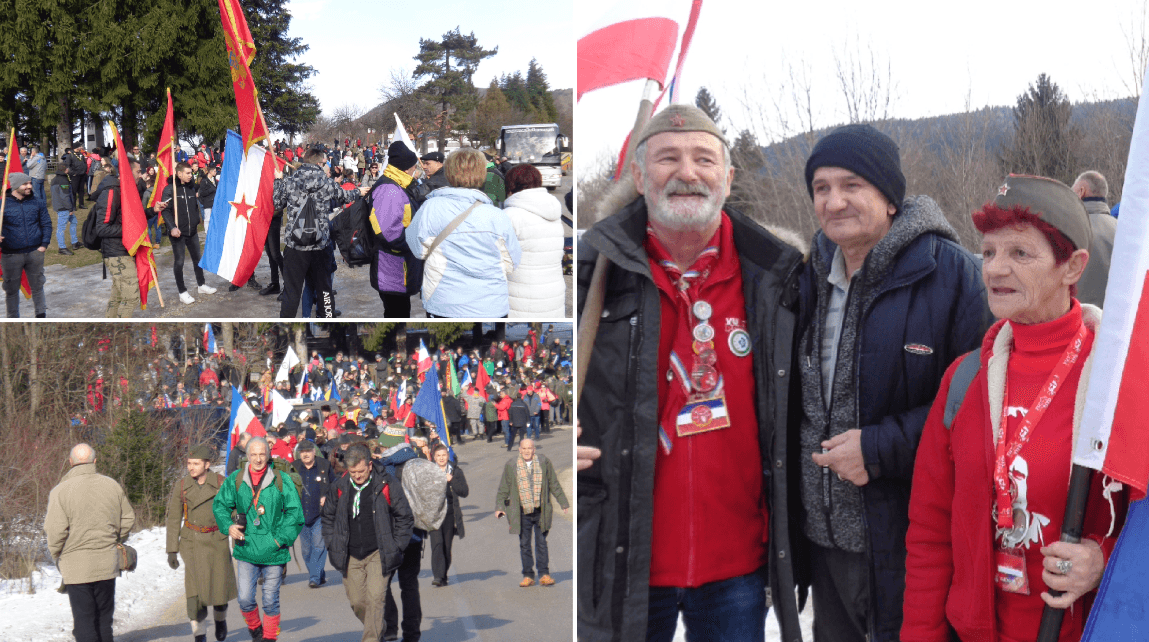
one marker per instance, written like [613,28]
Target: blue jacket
[27,225]
[932,300]
[467,274]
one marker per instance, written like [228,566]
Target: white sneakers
[206,289]
[186,297]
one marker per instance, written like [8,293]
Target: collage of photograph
[303,300]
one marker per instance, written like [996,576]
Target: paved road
[483,601]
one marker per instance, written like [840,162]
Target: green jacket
[270,542]
[507,499]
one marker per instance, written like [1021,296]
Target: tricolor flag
[1114,437]
[304,387]
[402,396]
[466,382]
[164,154]
[424,361]
[290,360]
[209,339]
[429,405]
[243,420]
[14,165]
[333,393]
[242,212]
[134,223]
[240,52]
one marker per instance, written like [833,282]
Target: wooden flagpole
[7,170]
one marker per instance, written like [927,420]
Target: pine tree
[1043,141]
[707,104]
[540,94]
[492,113]
[449,65]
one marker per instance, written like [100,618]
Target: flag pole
[156,280]
[1080,480]
[7,170]
[592,306]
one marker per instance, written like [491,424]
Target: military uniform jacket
[209,575]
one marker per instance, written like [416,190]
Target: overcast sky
[355,45]
[986,51]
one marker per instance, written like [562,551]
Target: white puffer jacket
[537,287]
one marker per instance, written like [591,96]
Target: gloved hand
[174,560]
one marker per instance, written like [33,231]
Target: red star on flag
[243,208]
[677,120]
[1001,191]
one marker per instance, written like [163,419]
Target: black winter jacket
[619,414]
[393,520]
[183,210]
[519,413]
[108,225]
[316,482]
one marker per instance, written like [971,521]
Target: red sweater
[709,511]
[951,546]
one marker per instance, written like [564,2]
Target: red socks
[271,627]
[251,618]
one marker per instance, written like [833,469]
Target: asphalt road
[482,602]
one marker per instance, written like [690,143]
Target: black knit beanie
[401,156]
[864,151]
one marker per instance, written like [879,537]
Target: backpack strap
[184,498]
[455,222]
[963,377]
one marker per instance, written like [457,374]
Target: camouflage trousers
[125,297]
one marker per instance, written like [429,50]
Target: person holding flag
[1004,421]
[180,209]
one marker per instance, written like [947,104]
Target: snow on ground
[43,615]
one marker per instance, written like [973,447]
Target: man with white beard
[685,401]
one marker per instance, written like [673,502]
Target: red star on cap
[1001,191]
[243,208]
[677,120]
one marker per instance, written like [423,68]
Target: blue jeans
[246,576]
[530,524]
[154,230]
[508,432]
[733,610]
[533,427]
[38,188]
[64,219]
[314,551]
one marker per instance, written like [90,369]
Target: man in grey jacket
[36,168]
[88,515]
[1092,188]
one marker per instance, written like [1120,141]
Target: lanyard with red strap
[1029,420]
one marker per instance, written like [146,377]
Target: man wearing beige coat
[88,515]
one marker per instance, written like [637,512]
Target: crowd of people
[353,473]
[502,258]
[855,420]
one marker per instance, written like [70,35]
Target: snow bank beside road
[43,615]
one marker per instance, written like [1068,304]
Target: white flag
[289,362]
[401,134]
[280,408]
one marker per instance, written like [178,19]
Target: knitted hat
[681,118]
[16,179]
[864,151]
[202,451]
[401,156]
[1052,201]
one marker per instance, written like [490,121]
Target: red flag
[240,52]
[13,165]
[134,223]
[482,381]
[164,167]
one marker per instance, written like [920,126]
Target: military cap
[1050,200]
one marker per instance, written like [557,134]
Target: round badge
[739,341]
[702,310]
[259,510]
[699,346]
[703,332]
[704,378]
[701,415]
[708,357]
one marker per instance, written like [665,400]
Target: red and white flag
[424,361]
[632,41]
[1114,434]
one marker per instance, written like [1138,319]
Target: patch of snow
[32,611]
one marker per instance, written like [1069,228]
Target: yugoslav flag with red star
[243,204]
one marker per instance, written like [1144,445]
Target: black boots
[220,630]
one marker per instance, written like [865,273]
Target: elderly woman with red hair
[536,287]
[990,482]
